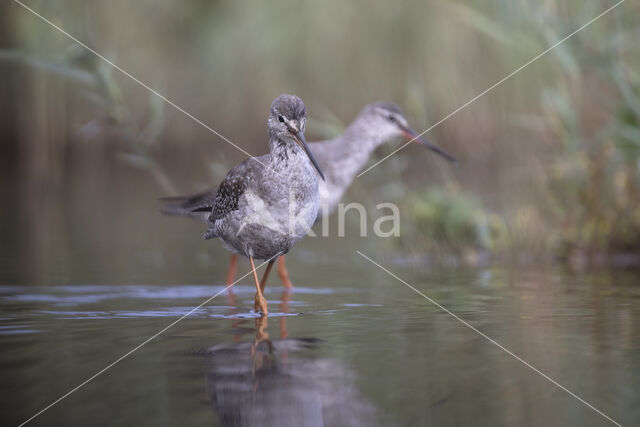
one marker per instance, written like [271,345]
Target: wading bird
[340,158]
[265,204]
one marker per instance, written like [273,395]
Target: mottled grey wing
[234,185]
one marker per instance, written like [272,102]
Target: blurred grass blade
[49,65]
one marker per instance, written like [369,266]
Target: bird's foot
[260,305]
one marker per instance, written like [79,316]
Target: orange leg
[266,276]
[283,273]
[233,263]
[260,303]
[231,276]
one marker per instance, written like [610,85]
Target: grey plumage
[268,203]
[343,157]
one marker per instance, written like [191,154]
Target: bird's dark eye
[391,118]
[281,119]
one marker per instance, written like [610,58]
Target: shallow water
[360,348]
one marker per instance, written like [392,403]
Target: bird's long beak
[299,138]
[411,135]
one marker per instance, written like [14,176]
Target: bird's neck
[350,152]
[362,135]
[285,152]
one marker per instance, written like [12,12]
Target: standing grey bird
[341,158]
[265,204]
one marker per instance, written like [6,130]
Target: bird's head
[287,119]
[389,123]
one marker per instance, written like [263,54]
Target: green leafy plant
[448,220]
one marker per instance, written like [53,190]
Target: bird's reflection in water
[282,382]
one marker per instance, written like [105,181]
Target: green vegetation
[93,80]
[593,189]
[447,220]
[549,159]
[581,125]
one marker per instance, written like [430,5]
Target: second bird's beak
[411,135]
[299,138]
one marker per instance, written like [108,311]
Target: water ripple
[90,294]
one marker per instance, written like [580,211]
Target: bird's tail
[197,206]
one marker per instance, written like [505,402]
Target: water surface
[355,347]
